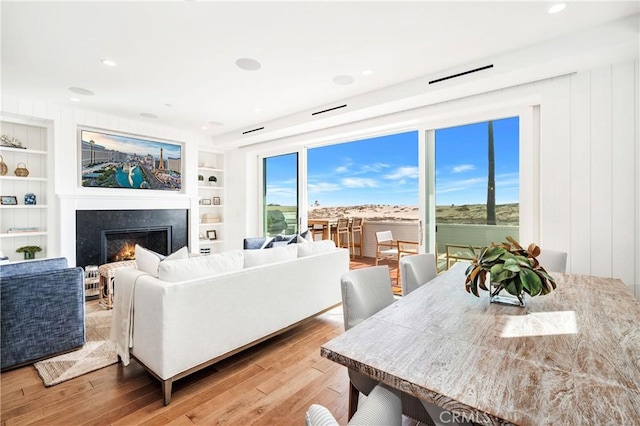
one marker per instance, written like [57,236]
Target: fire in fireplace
[119,244]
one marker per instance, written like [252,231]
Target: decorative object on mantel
[213,180]
[3,167]
[21,171]
[512,269]
[10,142]
[29,251]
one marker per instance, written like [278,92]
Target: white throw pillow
[302,240]
[200,266]
[272,255]
[315,247]
[148,261]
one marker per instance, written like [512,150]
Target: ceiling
[177,60]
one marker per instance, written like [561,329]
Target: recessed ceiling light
[81,91]
[147,115]
[109,62]
[343,80]
[248,64]
[257,110]
[558,7]
[204,127]
[216,123]
[367,72]
[74,99]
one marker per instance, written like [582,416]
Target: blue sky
[131,145]
[384,170]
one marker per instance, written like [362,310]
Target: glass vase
[497,294]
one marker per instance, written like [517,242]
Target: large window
[477,183]
[280,197]
[374,178]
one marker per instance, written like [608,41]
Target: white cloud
[459,185]
[373,168]
[341,169]
[322,187]
[403,172]
[359,183]
[463,168]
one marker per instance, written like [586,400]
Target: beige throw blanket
[122,320]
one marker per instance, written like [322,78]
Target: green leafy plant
[511,267]
[28,249]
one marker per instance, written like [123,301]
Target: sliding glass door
[280,195]
[477,181]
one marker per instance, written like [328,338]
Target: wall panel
[623,172]
[601,172]
[580,247]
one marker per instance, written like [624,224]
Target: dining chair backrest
[356,223]
[416,270]
[384,236]
[364,292]
[553,260]
[382,407]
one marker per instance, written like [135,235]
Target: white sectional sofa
[194,314]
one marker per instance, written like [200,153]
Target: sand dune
[507,214]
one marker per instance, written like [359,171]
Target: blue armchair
[42,313]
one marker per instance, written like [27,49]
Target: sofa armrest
[42,315]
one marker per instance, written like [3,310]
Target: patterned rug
[97,352]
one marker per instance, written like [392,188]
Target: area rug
[97,352]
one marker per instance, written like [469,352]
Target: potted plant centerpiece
[29,251]
[509,269]
[212,180]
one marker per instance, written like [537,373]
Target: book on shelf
[16,230]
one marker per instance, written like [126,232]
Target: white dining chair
[364,292]
[553,260]
[417,270]
[382,407]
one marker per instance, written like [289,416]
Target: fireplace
[104,236]
[119,244]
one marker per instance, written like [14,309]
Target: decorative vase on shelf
[213,180]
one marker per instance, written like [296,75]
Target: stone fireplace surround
[91,223]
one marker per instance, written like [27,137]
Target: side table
[107,277]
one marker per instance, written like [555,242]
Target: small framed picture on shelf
[8,200]
[216,201]
[206,202]
[212,234]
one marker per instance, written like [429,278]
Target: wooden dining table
[326,224]
[571,357]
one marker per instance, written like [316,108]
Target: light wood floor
[271,384]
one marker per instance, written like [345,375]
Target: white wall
[71,196]
[586,196]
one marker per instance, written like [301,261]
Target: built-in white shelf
[210,169]
[24,206]
[22,151]
[211,223]
[211,206]
[210,187]
[23,234]
[210,242]
[26,179]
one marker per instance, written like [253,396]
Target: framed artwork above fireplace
[118,160]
